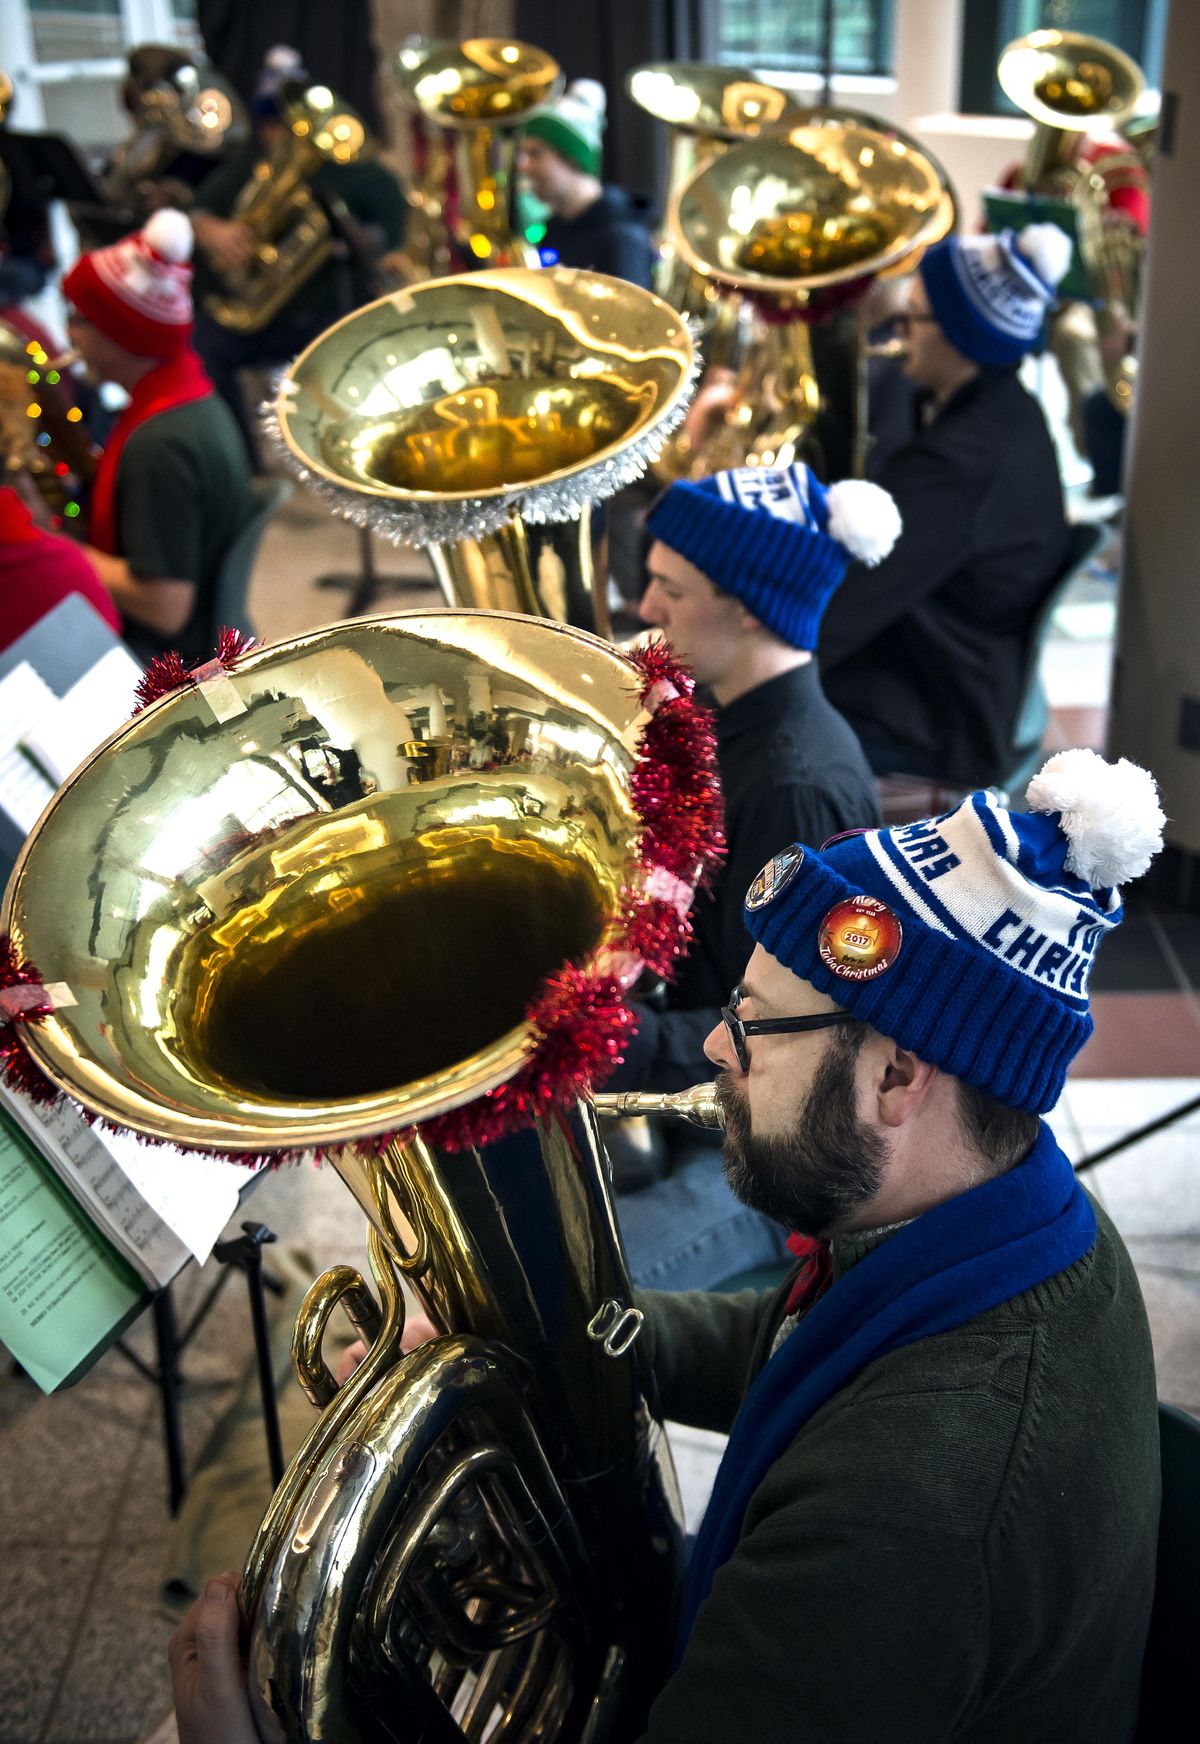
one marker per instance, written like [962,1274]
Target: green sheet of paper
[65,1295]
[1005,209]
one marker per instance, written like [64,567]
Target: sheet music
[25,791]
[158,1205]
[98,1180]
[194,1194]
[96,705]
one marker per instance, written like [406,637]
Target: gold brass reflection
[488,80]
[1066,80]
[830,201]
[473,386]
[718,102]
[235,904]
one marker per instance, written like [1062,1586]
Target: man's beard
[815,1176]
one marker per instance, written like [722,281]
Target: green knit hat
[574,126]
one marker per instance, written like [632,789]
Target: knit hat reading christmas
[138,291]
[574,126]
[776,538]
[990,294]
[969,938]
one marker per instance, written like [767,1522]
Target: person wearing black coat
[926,654]
[592,225]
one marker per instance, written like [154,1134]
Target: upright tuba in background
[291,233]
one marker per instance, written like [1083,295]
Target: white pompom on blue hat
[969,938]
[990,294]
[777,539]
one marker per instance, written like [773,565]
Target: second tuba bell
[479,417]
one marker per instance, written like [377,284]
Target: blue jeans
[689,1232]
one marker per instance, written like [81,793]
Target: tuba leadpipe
[698,1106]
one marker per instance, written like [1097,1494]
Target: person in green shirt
[371,214]
[172,489]
[935,1519]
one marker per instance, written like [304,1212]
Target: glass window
[788,35]
[82,30]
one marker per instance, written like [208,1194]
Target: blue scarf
[943,1269]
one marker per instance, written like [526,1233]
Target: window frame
[883,58]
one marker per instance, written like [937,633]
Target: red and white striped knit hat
[138,291]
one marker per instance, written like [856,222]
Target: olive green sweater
[959,1545]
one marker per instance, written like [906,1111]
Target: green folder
[1008,209]
[65,1294]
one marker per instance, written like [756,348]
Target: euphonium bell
[479,417]
[799,223]
[378,880]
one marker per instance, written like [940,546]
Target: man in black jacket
[926,654]
[740,570]
[592,225]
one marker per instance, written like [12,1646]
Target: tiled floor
[82,1509]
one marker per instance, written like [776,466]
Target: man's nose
[718,1050]
[650,608]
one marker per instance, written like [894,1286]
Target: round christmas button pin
[775,876]
[859,938]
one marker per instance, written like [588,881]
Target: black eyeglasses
[738,1031]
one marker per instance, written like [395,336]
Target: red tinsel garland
[167,672]
[580,1020]
[18,1068]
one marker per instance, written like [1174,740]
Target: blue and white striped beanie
[990,294]
[969,938]
[776,538]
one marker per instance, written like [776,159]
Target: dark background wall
[603,40]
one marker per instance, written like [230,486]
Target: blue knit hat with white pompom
[969,938]
[990,294]
[776,538]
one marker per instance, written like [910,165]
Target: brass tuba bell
[799,224]
[1071,85]
[480,93]
[481,416]
[291,233]
[179,103]
[318,904]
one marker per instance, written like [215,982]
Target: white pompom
[1047,249]
[589,92]
[169,234]
[863,518]
[1109,813]
[283,58]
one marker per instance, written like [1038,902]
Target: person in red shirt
[38,570]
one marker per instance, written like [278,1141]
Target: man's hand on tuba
[418,1330]
[208,1677]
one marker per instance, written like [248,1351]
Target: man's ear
[902,1082]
